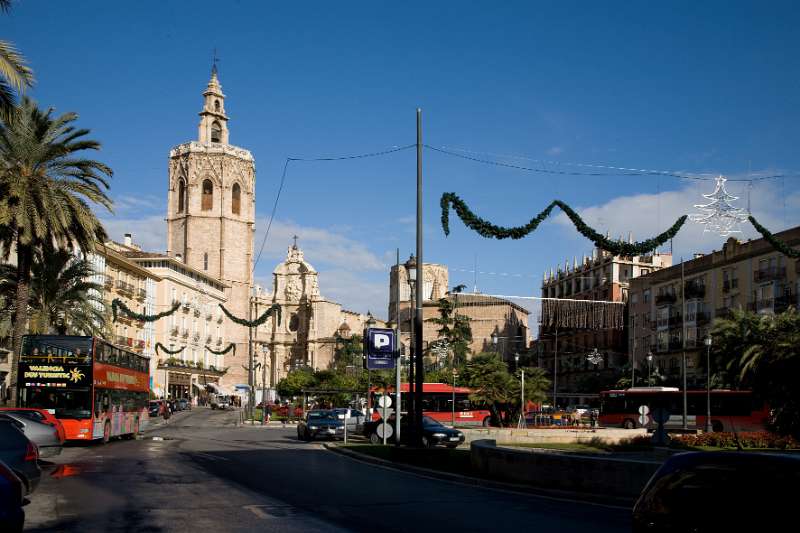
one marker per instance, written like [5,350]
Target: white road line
[211,456]
[258,511]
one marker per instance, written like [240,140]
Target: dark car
[12,498]
[703,492]
[433,433]
[19,453]
[46,436]
[183,404]
[320,423]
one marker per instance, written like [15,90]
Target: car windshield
[430,422]
[322,415]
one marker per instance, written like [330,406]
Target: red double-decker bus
[437,403]
[730,410]
[96,389]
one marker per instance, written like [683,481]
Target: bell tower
[211,214]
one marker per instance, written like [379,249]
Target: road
[209,475]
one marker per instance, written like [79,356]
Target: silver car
[44,436]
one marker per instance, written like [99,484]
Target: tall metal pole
[555,372]
[398,404]
[633,348]
[264,386]
[709,427]
[420,364]
[683,343]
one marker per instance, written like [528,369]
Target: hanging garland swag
[118,305]
[776,243]
[230,347]
[274,308]
[489,230]
[164,349]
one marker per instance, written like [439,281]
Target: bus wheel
[106,432]
[629,424]
[487,422]
[133,435]
[716,426]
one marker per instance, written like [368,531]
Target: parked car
[356,420]
[320,423]
[19,453]
[720,491]
[12,498]
[44,435]
[433,432]
[183,404]
[220,402]
[39,415]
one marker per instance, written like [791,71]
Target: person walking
[267,412]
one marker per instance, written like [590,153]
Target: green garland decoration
[116,303]
[167,350]
[489,230]
[776,243]
[230,347]
[274,308]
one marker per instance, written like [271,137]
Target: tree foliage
[454,330]
[760,352]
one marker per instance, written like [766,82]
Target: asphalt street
[202,473]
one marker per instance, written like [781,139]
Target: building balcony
[670,321]
[141,294]
[666,298]
[108,284]
[694,290]
[730,284]
[120,340]
[173,331]
[196,337]
[769,274]
[219,319]
[184,332]
[209,339]
[722,312]
[219,341]
[209,316]
[186,305]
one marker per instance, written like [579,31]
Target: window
[205,261]
[181,196]
[646,296]
[216,106]
[208,195]
[236,195]
[216,132]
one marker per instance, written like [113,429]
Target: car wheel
[427,443]
[487,422]
[375,439]
[451,446]
[106,432]
[629,424]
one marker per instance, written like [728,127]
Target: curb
[582,497]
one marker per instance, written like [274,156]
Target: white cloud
[555,150]
[128,204]
[354,292]
[148,232]
[647,215]
[319,245]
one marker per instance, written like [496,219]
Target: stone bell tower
[211,215]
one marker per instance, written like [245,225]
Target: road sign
[661,415]
[384,428]
[384,401]
[644,420]
[379,348]
[644,410]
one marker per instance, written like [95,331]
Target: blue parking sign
[379,348]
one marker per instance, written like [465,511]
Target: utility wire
[283,181]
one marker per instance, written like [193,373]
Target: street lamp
[494,340]
[265,351]
[649,369]
[411,269]
[516,361]
[708,342]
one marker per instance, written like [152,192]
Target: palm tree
[44,189]
[62,299]
[15,75]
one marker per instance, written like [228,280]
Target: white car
[220,402]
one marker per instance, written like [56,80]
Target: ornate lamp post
[370,324]
[708,343]
[411,268]
[265,351]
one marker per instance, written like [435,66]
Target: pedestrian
[593,418]
[267,412]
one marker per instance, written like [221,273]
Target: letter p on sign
[381,340]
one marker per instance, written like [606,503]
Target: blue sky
[696,88]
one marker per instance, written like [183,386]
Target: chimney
[179,258]
[128,240]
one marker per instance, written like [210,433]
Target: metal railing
[769,274]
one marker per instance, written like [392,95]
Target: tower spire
[213,126]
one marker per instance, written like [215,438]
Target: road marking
[258,511]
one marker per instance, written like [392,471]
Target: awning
[214,387]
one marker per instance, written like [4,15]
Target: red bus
[730,410]
[437,403]
[96,389]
